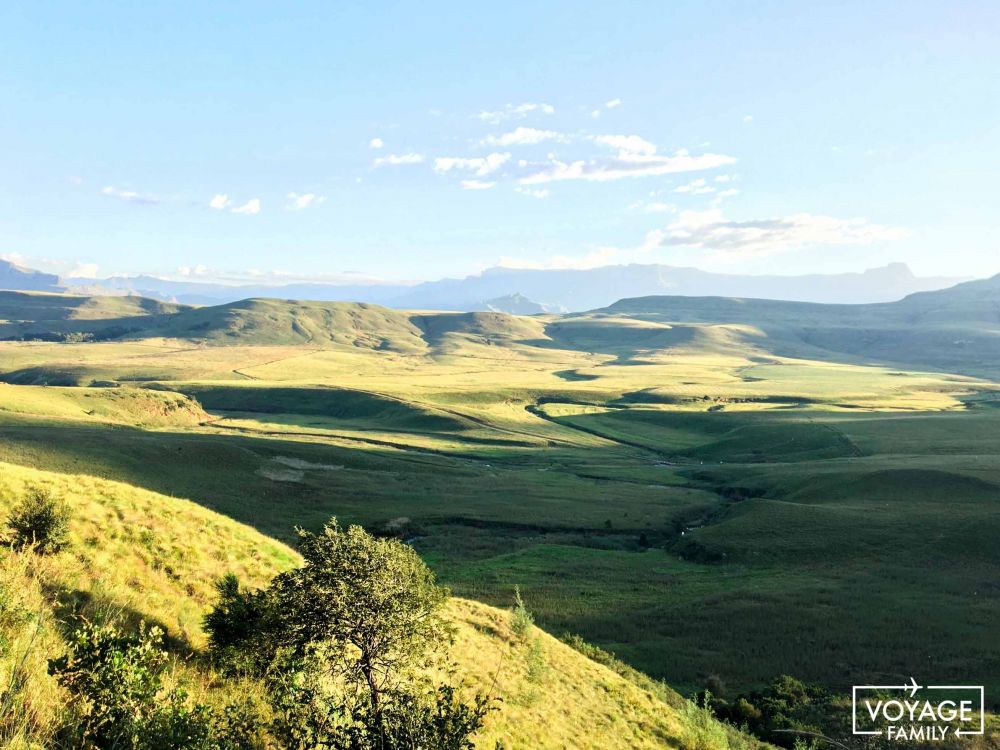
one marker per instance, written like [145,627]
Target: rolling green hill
[956,329]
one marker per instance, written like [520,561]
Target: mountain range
[517,291]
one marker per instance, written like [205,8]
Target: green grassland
[725,488]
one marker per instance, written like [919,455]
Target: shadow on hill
[72,607]
[625,341]
[378,411]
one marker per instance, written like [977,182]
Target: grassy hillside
[956,329]
[56,317]
[148,557]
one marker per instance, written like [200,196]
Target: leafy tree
[345,642]
[372,604]
[39,521]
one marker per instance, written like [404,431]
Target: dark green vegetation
[340,650]
[39,522]
[708,488]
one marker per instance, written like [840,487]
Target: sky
[405,141]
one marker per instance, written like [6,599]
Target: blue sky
[418,140]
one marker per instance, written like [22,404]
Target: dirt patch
[281,475]
[298,463]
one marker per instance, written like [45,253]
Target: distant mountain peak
[15,277]
[518,304]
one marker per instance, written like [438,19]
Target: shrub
[521,618]
[116,679]
[39,521]
[239,626]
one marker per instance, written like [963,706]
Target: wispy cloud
[696,187]
[627,145]
[83,271]
[395,160]
[624,165]
[130,196]
[250,208]
[523,136]
[480,165]
[300,201]
[515,112]
[477,185]
[376,143]
[612,103]
[710,230]
[63,268]
[533,192]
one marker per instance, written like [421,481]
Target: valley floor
[704,509]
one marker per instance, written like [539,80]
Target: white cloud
[613,103]
[533,192]
[727,193]
[625,165]
[748,119]
[250,208]
[595,113]
[376,143]
[523,136]
[480,165]
[695,187]
[297,201]
[394,160]
[627,145]
[63,268]
[130,196]
[477,185]
[710,230]
[515,112]
[220,202]
[83,271]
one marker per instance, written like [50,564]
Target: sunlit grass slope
[152,558]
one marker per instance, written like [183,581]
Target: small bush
[535,660]
[521,618]
[39,521]
[116,679]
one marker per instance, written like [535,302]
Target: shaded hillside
[955,329]
[25,315]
